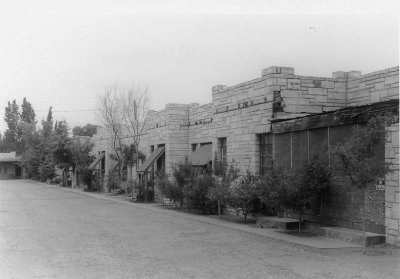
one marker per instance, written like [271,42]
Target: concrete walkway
[318,242]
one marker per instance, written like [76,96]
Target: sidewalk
[318,242]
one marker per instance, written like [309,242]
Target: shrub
[113,181]
[221,180]
[244,192]
[169,190]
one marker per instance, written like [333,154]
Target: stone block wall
[373,87]
[200,125]
[168,127]
[245,110]
[392,192]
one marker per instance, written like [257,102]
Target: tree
[12,136]
[61,151]
[110,113]
[244,192]
[28,114]
[80,154]
[185,177]
[221,180]
[135,108]
[305,188]
[48,125]
[358,159]
[273,185]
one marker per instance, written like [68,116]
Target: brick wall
[392,192]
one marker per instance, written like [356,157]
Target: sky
[64,54]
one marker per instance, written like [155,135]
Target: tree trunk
[145,188]
[364,242]
[300,223]
[219,209]
[245,217]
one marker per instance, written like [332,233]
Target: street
[47,232]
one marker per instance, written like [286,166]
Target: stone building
[258,120]
[10,166]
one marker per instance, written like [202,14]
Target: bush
[199,197]
[221,180]
[244,193]
[272,187]
[139,189]
[170,190]
[113,181]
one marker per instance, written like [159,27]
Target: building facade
[242,123]
[10,166]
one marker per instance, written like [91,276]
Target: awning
[152,158]
[201,156]
[96,161]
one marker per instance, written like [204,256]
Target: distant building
[10,166]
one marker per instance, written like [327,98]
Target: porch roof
[96,161]
[152,158]
[201,156]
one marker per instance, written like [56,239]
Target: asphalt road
[47,232]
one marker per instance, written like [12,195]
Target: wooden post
[145,186]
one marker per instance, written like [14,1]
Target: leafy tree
[2,146]
[358,159]
[185,178]
[305,188]
[221,180]
[13,135]
[61,151]
[201,187]
[28,114]
[80,155]
[244,192]
[319,177]
[273,185]
[46,168]
[48,125]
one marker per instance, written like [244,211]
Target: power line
[73,110]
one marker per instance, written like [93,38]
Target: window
[222,149]
[151,148]
[265,153]
[194,147]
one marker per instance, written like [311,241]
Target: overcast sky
[63,55]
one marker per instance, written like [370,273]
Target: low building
[10,166]
[258,120]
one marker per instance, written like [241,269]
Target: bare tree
[135,108]
[119,109]
[110,113]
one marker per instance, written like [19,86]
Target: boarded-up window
[265,153]
[299,149]
[319,144]
[339,135]
[282,150]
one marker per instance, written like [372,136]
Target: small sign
[380,185]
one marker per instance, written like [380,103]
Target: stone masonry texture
[242,112]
